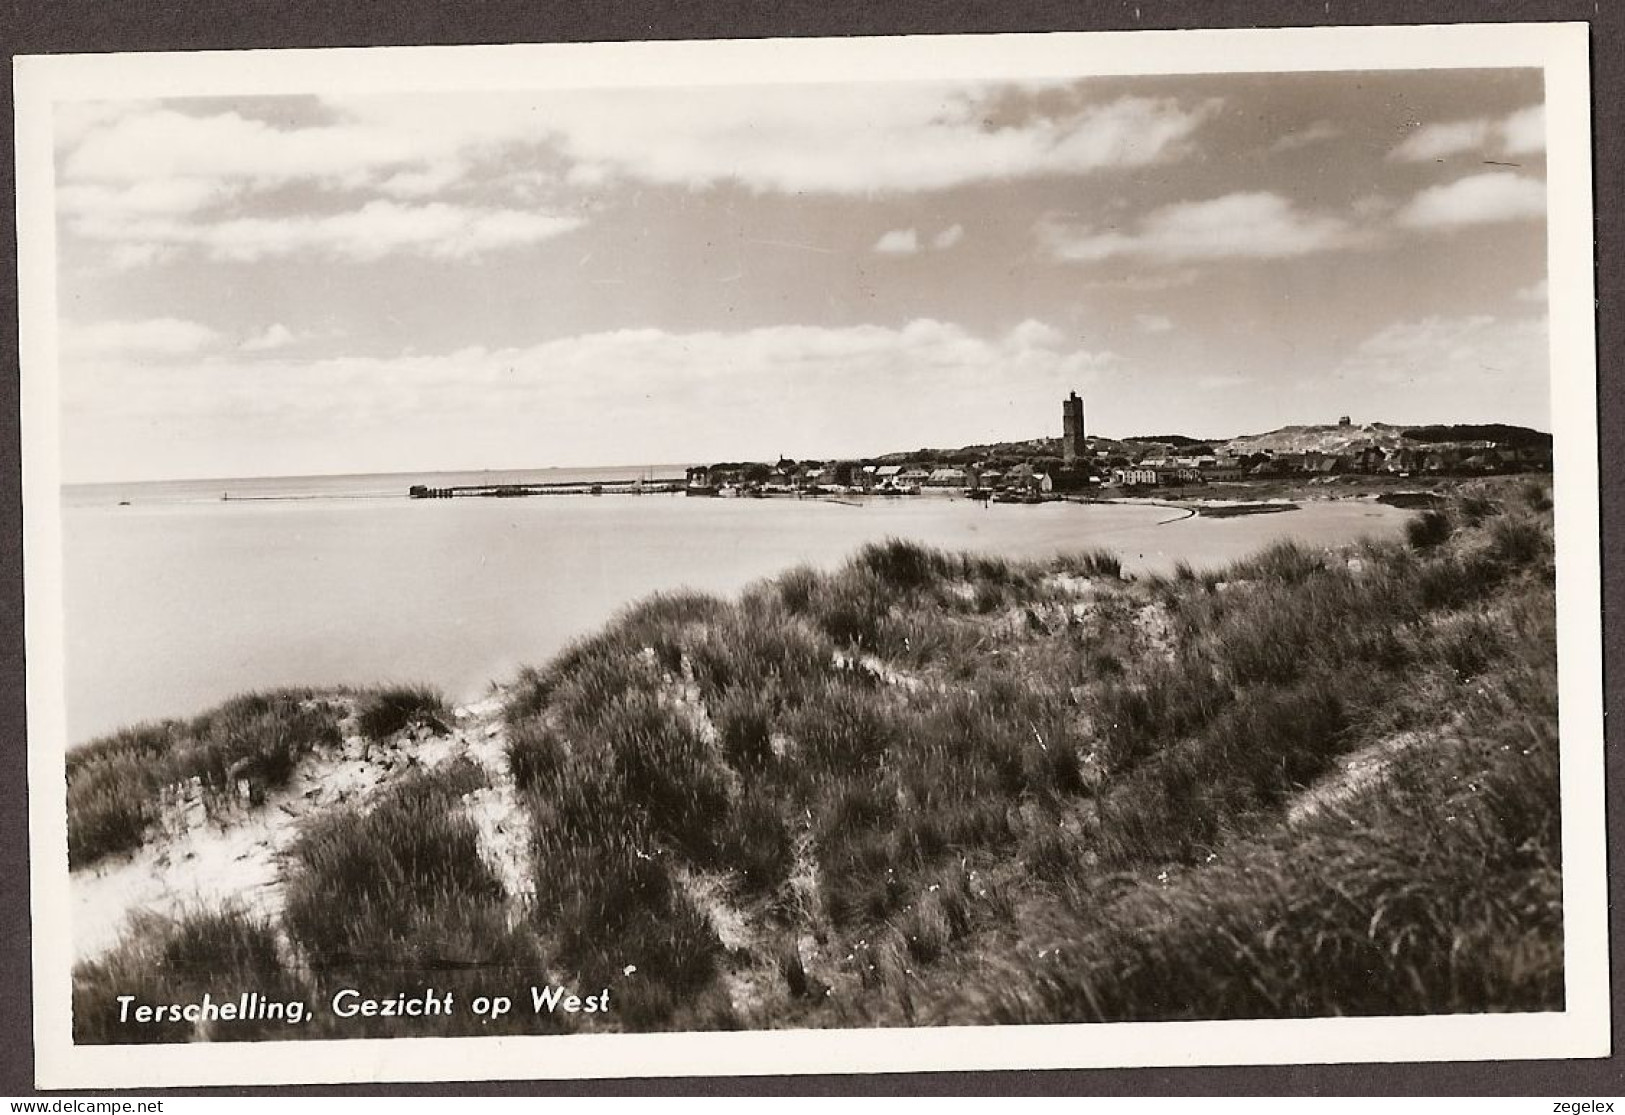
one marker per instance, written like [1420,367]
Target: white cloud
[898,242]
[1371,206]
[1220,382]
[1240,225]
[1479,350]
[163,143]
[802,388]
[149,180]
[427,182]
[1153,323]
[1439,141]
[1318,132]
[87,205]
[859,139]
[275,336]
[837,139]
[1477,199]
[907,241]
[1524,132]
[1535,292]
[1034,334]
[381,227]
[137,340]
[1140,284]
[377,229]
[1521,133]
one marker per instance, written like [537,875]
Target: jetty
[636,486]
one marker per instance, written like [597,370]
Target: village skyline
[1076,461]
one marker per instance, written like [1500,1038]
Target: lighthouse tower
[1073,447]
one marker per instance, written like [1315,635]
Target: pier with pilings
[634,487]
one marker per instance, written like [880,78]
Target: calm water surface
[179,600]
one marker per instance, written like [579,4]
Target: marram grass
[932,788]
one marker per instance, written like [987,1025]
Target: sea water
[176,599]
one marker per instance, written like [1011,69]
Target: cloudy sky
[288,285]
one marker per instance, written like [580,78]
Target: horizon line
[685,465]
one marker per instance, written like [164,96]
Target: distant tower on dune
[1072,437]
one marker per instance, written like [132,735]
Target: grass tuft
[1429,529]
[393,710]
[115,784]
[176,961]
[1091,563]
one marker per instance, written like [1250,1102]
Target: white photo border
[1559,49]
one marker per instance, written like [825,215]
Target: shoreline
[1214,493]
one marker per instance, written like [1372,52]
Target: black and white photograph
[812,556]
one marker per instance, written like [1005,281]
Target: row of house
[1165,471]
[1466,457]
[1153,476]
[855,477]
[1156,469]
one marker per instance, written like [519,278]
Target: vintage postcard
[812,556]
